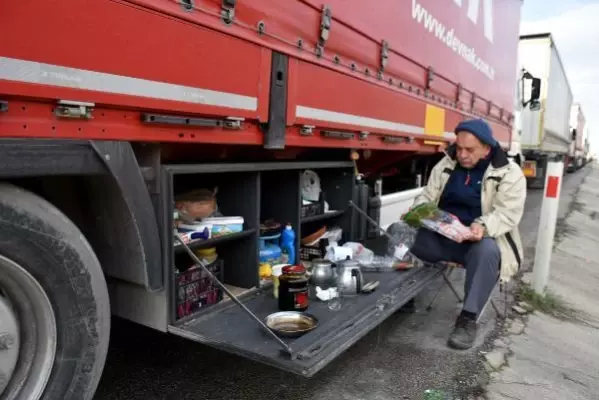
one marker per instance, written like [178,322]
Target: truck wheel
[54,307]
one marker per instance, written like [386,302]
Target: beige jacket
[503,196]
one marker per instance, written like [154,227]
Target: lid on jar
[294,269]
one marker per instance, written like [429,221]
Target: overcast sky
[575,27]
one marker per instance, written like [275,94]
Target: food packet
[430,217]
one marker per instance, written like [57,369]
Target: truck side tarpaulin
[188,60]
[122,55]
[472,42]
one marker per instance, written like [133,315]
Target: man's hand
[478,231]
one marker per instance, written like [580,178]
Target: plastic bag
[403,236]
[360,253]
[450,227]
[431,217]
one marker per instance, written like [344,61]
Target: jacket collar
[499,159]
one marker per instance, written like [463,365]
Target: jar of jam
[293,288]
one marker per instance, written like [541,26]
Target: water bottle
[288,244]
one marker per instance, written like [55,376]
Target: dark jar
[293,289]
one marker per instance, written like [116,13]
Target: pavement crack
[524,383]
[568,378]
[560,368]
[509,396]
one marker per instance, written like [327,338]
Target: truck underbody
[94,150]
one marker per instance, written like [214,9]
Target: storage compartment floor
[230,328]
[237,291]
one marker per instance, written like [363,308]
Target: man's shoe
[464,333]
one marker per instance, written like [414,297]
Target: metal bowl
[291,324]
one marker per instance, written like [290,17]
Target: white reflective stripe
[34,72]
[449,135]
[350,119]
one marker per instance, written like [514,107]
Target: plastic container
[277,270]
[207,255]
[200,230]
[225,225]
[288,245]
[270,251]
[196,290]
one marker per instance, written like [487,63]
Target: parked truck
[545,129]
[577,131]
[587,147]
[112,110]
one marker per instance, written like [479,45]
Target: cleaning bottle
[288,245]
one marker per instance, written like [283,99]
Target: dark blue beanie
[478,128]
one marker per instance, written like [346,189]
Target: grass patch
[548,303]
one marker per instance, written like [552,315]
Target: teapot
[349,277]
[323,274]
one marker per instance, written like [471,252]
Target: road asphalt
[398,360]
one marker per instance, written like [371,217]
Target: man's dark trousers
[481,260]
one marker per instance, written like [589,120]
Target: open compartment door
[258,192]
[230,328]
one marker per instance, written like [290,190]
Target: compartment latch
[472,101]
[228,11]
[325,29]
[233,123]
[74,109]
[430,77]
[384,55]
[307,130]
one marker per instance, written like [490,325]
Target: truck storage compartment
[230,237]
[327,210]
[274,192]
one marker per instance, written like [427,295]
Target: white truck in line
[579,131]
[546,131]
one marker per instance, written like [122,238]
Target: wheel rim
[27,334]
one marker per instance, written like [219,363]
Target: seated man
[476,182]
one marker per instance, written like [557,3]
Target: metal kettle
[349,278]
[323,273]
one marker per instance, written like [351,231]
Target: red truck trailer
[110,109]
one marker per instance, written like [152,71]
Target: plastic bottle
[288,244]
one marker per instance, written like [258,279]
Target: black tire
[43,241]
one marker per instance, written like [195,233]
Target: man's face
[470,150]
